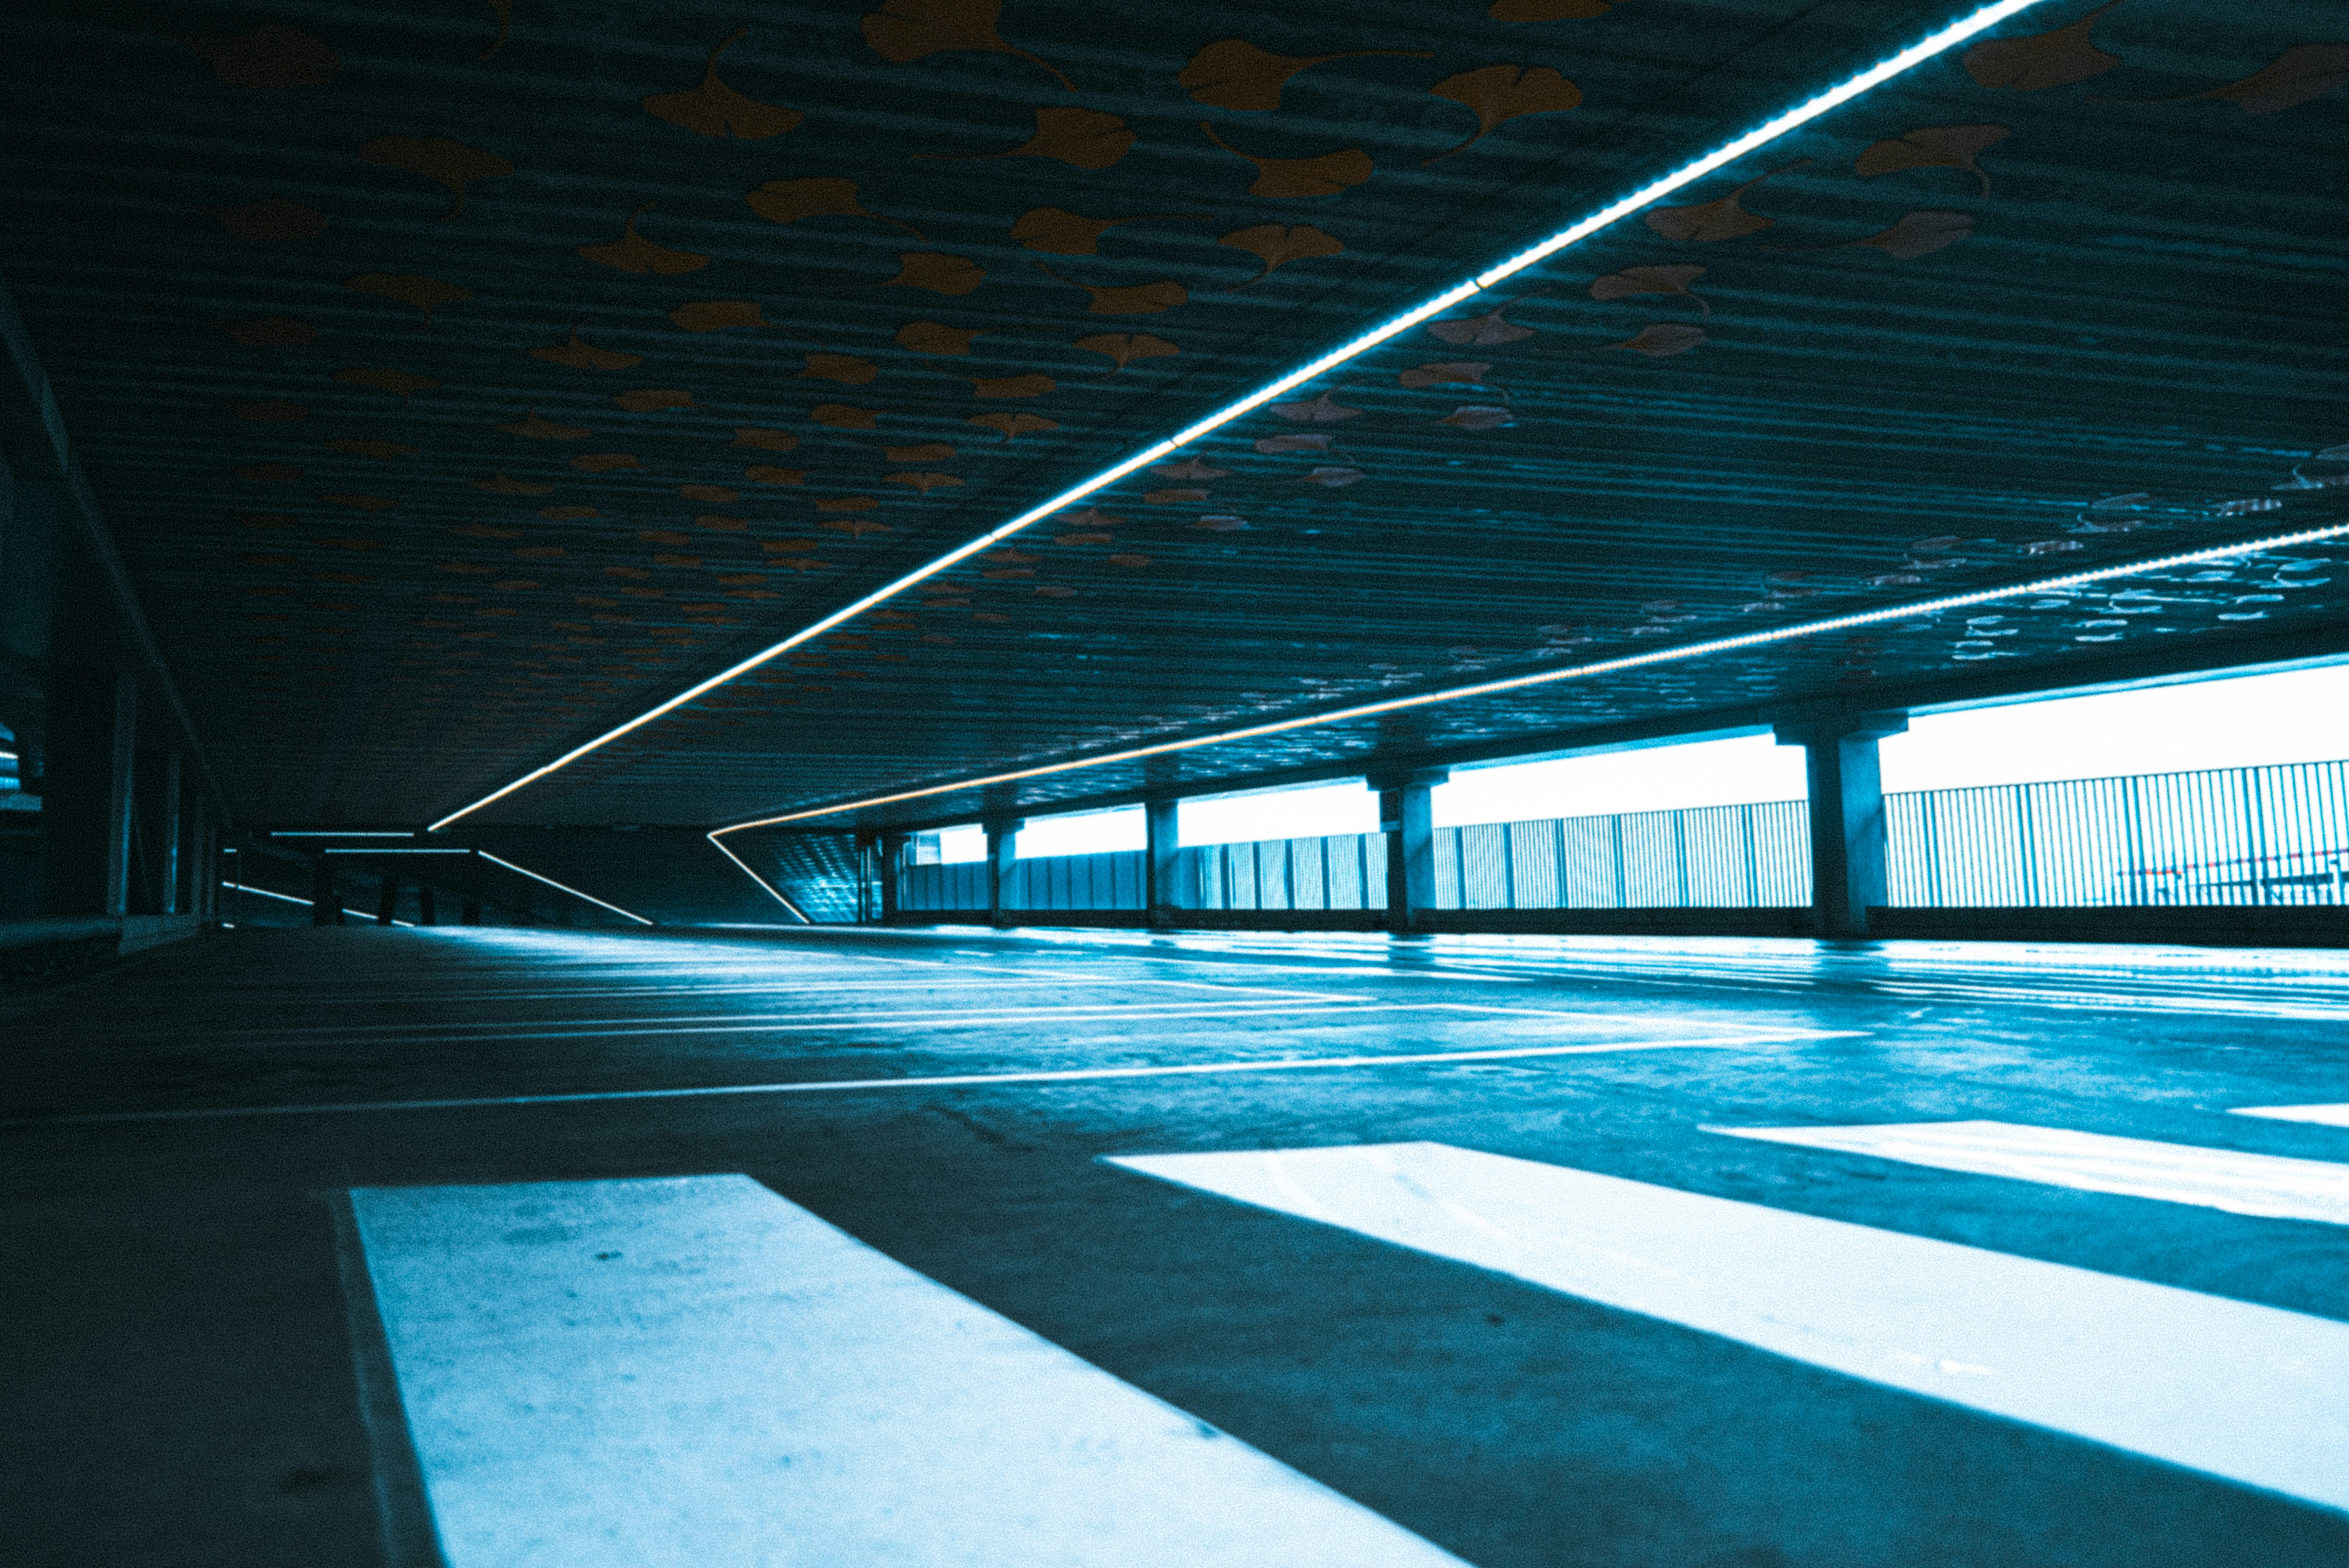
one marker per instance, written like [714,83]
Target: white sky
[2297,716]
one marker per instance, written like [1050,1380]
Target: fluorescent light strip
[772,892]
[322,833]
[1582,671]
[1916,55]
[290,899]
[374,851]
[561,887]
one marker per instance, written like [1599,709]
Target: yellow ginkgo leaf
[1136,299]
[2043,60]
[1480,331]
[502,485]
[789,201]
[937,273]
[584,356]
[563,514]
[1637,280]
[1124,348]
[927,452]
[275,56]
[634,253]
[401,384]
[716,493]
[716,315]
[1013,426]
[408,288]
[904,30]
[2301,74]
[1452,373]
[1498,94]
[767,474]
[1029,386]
[1274,244]
[1321,410]
[271,220]
[438,159]
[534,428]
[842,417]
[1932,147]
[923,482]
[652,399]
[846,368]
[1920,233]
[1058,232]
[767,440]
[1235,74]
[1080,138]
[606,461]
[857,527]
[931,338]
[1662,340]
[1721,219]
[1277,177]
[847,503]
[713,109]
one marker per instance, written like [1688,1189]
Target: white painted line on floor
[694,1372]
[2249,1393]
[2266,1185]
[944,1081]
[2324,1115]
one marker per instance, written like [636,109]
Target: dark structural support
[471,913]
[1407,817]
[892,862]
[1846,791]
[86,793]
[1164,894]
[426,913]
[325,898]
[386,901]
[155,835]
[1003,860]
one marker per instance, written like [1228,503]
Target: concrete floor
[185,1390]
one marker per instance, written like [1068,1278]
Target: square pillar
[386,901]
[1847,809]
[1002,864]
[1162,892]
[892,861]
[427,914]
[86,790]
[1407,817]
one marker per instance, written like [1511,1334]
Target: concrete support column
[1162,892]
[1407,816]
[386,901]
[1002,863]
[1846,802]
[86,790]
[892,863]
[170,848]
[426,910]
[326,899]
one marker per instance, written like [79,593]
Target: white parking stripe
[694,1372]
[2249,1393]
[2324,1115]
[2267,1185]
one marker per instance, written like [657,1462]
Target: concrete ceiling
[461,382]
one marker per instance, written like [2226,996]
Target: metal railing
[1715,856]
[2277,835]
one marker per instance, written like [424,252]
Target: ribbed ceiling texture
[462,381]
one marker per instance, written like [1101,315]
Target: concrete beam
[1163,894]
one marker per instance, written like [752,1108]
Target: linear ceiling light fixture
[327,833]
[772,892]
[1585,671]
[1761,136]
[561,887]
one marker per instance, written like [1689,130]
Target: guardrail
[2261,836]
